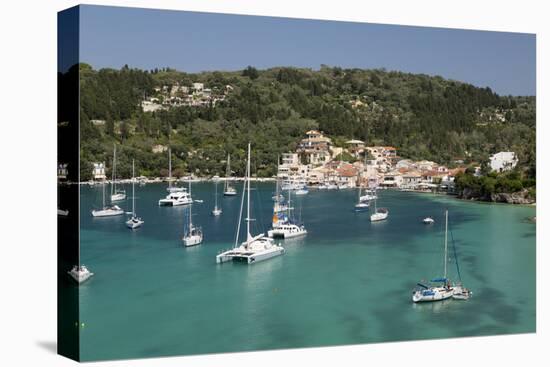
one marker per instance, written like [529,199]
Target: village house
[291,168]
[355,147]
[392,180]
[503,161]
[346,175]
[315,148]
[98,171]
[411,179]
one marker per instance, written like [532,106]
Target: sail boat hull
[432,294]
[109,212]
[118,197]
[249,257]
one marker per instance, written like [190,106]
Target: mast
[227,173]
[446,226]
[133,190]
[216,196]
[169,167]
[113,186]
[190,213]
[248,219]
[103,188]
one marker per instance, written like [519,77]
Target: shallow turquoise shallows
[348,282]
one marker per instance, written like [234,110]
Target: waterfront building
[503,161]
[98,171]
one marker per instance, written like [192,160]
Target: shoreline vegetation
[203,117]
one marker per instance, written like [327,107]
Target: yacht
[369,195]
[379,213]
[428,220]
[176,198]
[80,273]
[176,195]
[362,204]
[134,221]
[107,211]
[228,189]
[193,235]
[302,191]
[287,227]
[254,248]
[116,194]
[440,288]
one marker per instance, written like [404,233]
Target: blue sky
[192,42]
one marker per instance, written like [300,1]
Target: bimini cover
[422,285]
[439,280]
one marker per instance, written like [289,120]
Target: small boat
[228,189]
[362,206]
[198,201]
[176,195]
[116,194]
[428,220]
[80,273]
[134,221]
[107,211]
[193,235]
[216,211]
[461,293]
[302,191]
[255,248]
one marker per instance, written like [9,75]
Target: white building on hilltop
[503,161]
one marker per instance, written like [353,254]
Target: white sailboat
[288,228]
[116,195]
[107,211]
[176,195]
[379,213]
[228,189]
[430,293]
[255,248]
[134,221]
[428,220]
[193,235]
[216,211]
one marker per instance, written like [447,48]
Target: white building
[98,173]
[503,161]
[198,87]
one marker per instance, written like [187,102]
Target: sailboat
[255,248]
[193,235]
[107,211]
[379,213]
[116,195]
[288,228]
[430,293]
[176,195]
[217,211]
[228,190]
[134,222]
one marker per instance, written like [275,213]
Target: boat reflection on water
[433,307]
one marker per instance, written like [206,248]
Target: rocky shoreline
[520,197]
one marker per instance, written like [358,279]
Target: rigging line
[456,258]
[240,212]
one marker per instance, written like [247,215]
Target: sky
[193,42]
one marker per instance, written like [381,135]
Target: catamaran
[216,211]
[228,189]
[116,194]
[444,289]
[255,248]
[379,213]
[107,211]
[193,235]
[288,227]
[176,195]
[134,221]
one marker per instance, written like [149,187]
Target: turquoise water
[348,282]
